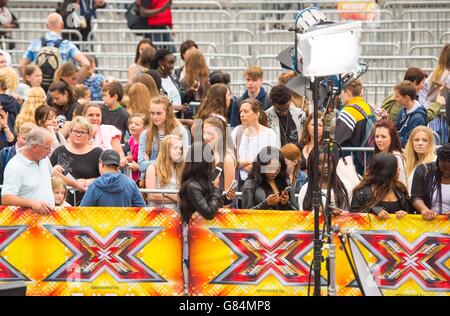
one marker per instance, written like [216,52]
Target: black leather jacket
[207,207]
[258,201]
[362,196]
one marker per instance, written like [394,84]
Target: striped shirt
[351,123]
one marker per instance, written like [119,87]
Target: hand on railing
[40,207]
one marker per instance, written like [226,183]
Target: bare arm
[131,72]
[22,64]
[84,63]
[246,165]
[150,183]
[151,12]
[229,167]
[9,135]
[420,206]
[36,206]
[115,144]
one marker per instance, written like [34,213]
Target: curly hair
[36,98]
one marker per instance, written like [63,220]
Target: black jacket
[206,206]
[257,201]
[362,196]
[11,106]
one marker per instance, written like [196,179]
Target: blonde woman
[162,123]
[139,99]
[12,81]
[9,108]
[36,98]
[419,150]
[76,162]
[166,172]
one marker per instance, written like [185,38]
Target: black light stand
[317,192]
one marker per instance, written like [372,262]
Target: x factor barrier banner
[138,251]
[270,252]
[92,251]
[358,10]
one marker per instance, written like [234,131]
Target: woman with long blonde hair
[166,172]
[419,150]
[139,99]
[148,81]
[195,74]
[162,123]
[36,98]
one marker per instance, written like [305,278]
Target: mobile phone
[233,185]
[217,172]
[286,189]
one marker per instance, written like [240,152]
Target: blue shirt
[94,83]
[67,49]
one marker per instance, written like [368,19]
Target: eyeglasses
[77,132]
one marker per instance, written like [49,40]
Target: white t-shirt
[302,194]
[172,91]
[27,179]
[250,147]
[435,206]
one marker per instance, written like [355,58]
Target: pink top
[134,147]
[105,134]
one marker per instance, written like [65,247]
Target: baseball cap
[110,157]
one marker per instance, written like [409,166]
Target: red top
[163,18]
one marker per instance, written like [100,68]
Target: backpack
[367,141]
[134,19]
[49,59]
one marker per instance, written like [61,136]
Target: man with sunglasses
[285,118]
[28,174]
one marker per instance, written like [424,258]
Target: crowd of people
[69,136]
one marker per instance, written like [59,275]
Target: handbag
[346,170]
[134,19]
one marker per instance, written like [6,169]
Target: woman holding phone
[268,186]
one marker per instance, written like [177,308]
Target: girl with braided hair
[341,190]
[431,186]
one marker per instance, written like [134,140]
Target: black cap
[110,157]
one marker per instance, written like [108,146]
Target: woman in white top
[387,141]
[340,190]
[418,150]
[250,137]
[166,172]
